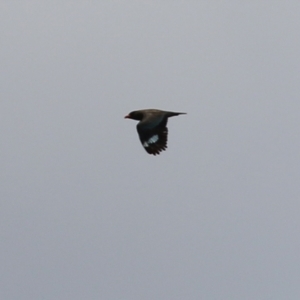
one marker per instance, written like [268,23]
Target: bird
[152,128]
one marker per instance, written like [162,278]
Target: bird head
[135,115]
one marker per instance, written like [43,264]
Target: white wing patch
[152,140]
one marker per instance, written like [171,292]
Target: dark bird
[152,128]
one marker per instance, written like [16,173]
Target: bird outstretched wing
[153,134]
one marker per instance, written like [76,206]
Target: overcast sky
[86,213]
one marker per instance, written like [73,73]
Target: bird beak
[127,117]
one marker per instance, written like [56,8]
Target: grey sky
[86,213]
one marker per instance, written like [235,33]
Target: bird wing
[153,133]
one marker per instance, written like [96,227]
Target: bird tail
[173,114]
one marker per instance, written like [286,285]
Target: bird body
[152,128]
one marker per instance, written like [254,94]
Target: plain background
[86,213]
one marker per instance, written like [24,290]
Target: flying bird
[152,128]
